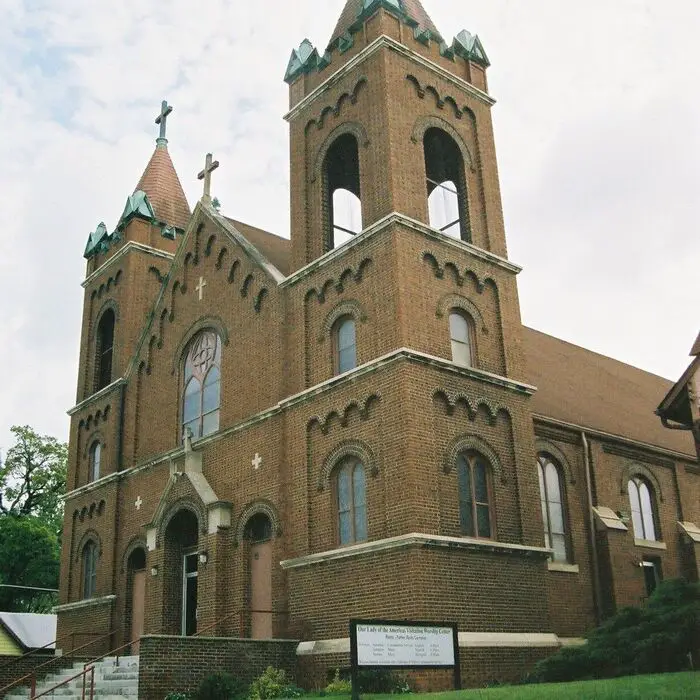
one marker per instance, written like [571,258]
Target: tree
[29,556]
[33,477]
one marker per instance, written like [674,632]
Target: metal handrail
[32,674]
[83,673]
[240,614]
[112,652]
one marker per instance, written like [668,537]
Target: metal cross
[165,110]
[200,288]
[257,461]
[138,503]
[209,167]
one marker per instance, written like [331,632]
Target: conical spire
[161,183]
[353,10]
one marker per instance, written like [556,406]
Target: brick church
[274,436]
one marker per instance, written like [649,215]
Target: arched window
[89,557]
[202,385]
[462,339]
[95,460]
[643,509]
[104,350]
[342,191]
[552,500]
[474,495]
[351,502]
[344,345]
[446,185]
[258,528]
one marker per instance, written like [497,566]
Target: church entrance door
[138,601]
[259,533]
[189,594]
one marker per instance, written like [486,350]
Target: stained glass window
[642,505]
[474,495]
[201,401]
[552,502]
[352,504]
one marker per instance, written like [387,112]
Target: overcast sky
[597,131]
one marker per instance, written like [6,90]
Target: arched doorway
[136,582]
[180,574]
[258,535]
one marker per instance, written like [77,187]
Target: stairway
[114,679]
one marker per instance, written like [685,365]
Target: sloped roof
[579,386]
[162,185]
[696,347]
[31,630]
[353,9]
[276,249]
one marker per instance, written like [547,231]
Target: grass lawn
[663,686]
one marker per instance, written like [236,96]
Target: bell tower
[391,118]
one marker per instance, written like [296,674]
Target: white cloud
[596,131]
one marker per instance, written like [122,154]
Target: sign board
[389,644]
[404,645]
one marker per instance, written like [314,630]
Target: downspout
[597,595]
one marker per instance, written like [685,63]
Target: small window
[474,495]
[342,191]
[446,185]
[201,401]
[90,556]
[643,509]
[552,501]
[95,459]
[104,350]
[461,337]
[345,346]
[651,567]
[351,502]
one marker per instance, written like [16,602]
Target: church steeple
[161,183]
[355,11]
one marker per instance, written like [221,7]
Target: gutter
[597,595]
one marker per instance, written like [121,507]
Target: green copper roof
[137,204]
[469,47]
[96,240]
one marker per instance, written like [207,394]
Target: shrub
[382,682]
[273,683]
[221,686]
[177,696]
[338,686]
[658,638]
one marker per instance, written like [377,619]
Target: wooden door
[138,604]
[261,590]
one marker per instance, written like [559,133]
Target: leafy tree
[660,637]
[29,556]
[33,477]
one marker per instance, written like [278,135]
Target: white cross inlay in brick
[257,461]
[200,288]
[138,503]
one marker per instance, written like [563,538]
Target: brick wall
[13,668]
[169,664]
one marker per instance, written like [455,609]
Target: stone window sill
[650,544]
[86,603]
[563,567]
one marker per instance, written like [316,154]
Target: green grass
[658,687]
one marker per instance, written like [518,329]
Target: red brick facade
[406,412]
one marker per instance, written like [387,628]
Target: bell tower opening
[446,185]
[104,351]
[342,198]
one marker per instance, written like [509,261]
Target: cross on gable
[200,288]
[257,461]
[210,165]
[165,110]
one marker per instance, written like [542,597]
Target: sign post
[386,644]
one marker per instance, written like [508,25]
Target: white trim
[650,544]
[87,603]
[563,567]
[467,640]
[130,245]
[96,396]
[594,432]
[414,539]
[418,226]
[369,51]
